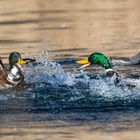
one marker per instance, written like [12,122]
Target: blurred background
[70,28]
[56,104]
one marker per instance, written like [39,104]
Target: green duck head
[96,58]
[15,58]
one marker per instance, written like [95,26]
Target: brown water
[69,29]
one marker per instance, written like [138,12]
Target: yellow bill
[21,62]
[83,62]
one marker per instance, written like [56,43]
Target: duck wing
[3,72]
[2,65]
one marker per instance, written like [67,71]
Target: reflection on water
[73,125]
[69,29]
[108,26]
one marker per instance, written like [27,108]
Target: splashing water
[49,86]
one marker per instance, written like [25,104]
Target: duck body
[15,74]
[11,77]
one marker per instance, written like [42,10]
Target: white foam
[53,73]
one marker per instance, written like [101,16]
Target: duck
[15,74]
[100,59]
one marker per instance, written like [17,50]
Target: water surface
[59,101]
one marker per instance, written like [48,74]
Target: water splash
[49,86]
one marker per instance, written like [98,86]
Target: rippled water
[59,101]
[48,86]
[77,98]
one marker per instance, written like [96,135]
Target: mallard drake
[98,59]
[14,75]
